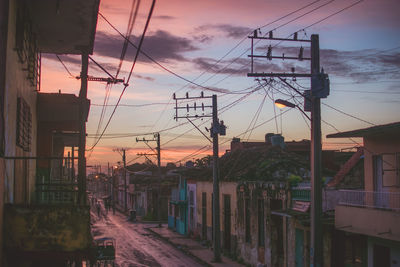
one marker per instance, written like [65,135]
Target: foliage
[294,180]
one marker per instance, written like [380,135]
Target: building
[42,199]
[367,220]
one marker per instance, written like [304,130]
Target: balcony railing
[55,179]
[301,194]
[370,199]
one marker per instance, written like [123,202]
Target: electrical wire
[130,73]
[65,67]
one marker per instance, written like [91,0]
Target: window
[391,169]
[26,47]
[24,125]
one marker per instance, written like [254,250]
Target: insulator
[194,105]
[187,95]
[173,96]
[295,36]
[301,52]
[202,106]
[202,94]
[255,34]
[293,69]
[271,35]
[187,107]
[269,53]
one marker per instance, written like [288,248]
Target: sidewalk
[191,247]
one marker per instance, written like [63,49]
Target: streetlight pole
[319,89]
[316,250]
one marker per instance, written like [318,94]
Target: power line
[340,11]
[130,73]
[131,105]
[244,38]
[65,67]
[347,114]
[159,64]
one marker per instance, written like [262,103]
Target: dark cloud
[227,30]
[164,17]
[203,38]
[160,45]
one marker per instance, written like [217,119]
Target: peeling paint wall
[17,85]
[47,228]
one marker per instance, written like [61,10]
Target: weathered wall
[375,145]
[274,226]
[17,85]
[225,188]
[47,228]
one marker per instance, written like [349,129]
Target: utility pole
[83,109]
[217,128]
[122,152]
[157,153]
[319,89]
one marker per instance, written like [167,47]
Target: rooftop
[390,128]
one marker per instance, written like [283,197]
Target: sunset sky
[360,50]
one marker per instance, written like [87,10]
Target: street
[135,246]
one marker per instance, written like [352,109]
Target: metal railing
[55,178]
[301,194]
[56,193]
[370,199]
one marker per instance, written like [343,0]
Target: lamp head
[280,103]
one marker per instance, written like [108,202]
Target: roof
[390,128]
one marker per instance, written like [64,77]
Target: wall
[47,228]
[225,188]
[192,222]
[364,221]
[375,145]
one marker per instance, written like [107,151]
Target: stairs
[347,167]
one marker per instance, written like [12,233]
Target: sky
[206,42]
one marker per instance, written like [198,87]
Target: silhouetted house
[367,220]
[46,220]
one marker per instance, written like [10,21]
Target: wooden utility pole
[316,249]
[122,151]
[82,131]
[217,128]
[158,154]
[319,89]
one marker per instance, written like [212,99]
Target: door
[204,215]
[227,222]
[380,198]
[381,256]
[299,248]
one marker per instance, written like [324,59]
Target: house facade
[368,220]
[39,134]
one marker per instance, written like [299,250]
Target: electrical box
[320,85]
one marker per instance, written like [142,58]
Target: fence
[370,199]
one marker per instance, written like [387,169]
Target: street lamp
[280,103]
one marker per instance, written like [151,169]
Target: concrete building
[36,133]
[368,220]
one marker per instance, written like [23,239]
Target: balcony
[370,199]
[51,218]
[370,213]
